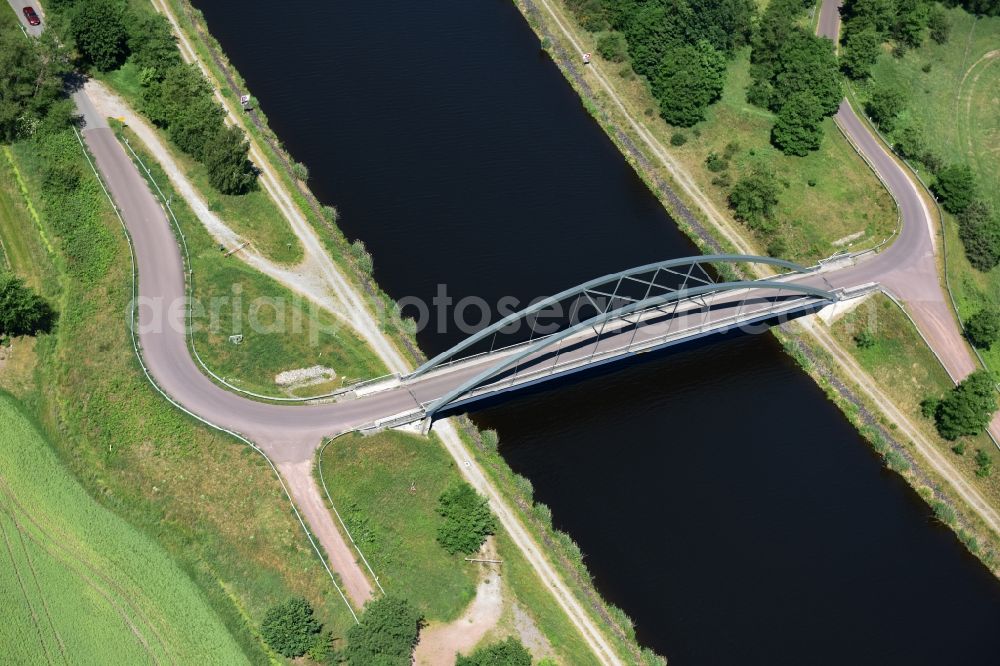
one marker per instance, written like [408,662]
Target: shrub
[716,163]
[230,171]
[968,408]
[897,461]
[508,652]
[955,187]
[678,139]
[300,171]
[754,197]
[884,105]
[467,519]
[983,328]
[939,24]
[22,311]
[943,512]
[290,628]
[612,47]
[30,82]
[979,230]
[984,464]
[385,635]
[722,180]
[865,339]
[331,214]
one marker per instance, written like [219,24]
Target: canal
[720,499]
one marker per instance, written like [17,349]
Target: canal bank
[590,261]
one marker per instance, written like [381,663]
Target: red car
[32,16]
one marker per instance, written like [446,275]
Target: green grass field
[386,488]
[282,331]
[80,583]
[254,215]
[957,104]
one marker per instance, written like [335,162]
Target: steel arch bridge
[623,305]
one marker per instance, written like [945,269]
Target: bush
[754,197]
[22,311]
[290,628]
[865,339]
[939,24]
[31,80]
[678,139]
[979,230]
[968,408]
[983,328]
[230,171]
[884,105]
[612,47]
[716,163]
[467,519]
[509,652]
[984,464]
[300,171]
[386,634]
[955,187]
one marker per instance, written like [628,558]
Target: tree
[955,187]
[467,519]
[385,635]
[508,652]
[910,21]
[152,43]
[798,128]
[290,628]
[884,105]
[939,24]
[229,169]
[983,328]
[612,46]
[979,230]
[876,14]
[31,75]
[860,50]
[754,197]
[99,31]
[22,311]
[968,408]
[687,80]
[808,65]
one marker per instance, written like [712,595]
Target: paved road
[908,269]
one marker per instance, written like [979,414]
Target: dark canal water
[720,499]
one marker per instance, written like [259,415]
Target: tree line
[105,34]
[681,47]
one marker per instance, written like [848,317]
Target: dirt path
[304,491]
[440,642]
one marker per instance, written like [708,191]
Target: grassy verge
[254,215]
[954,103]
[907,371]
[281,330]
[91,585]
[386,488]
[213,505]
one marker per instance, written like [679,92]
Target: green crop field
[80,584]
[386,488]
[956,103]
